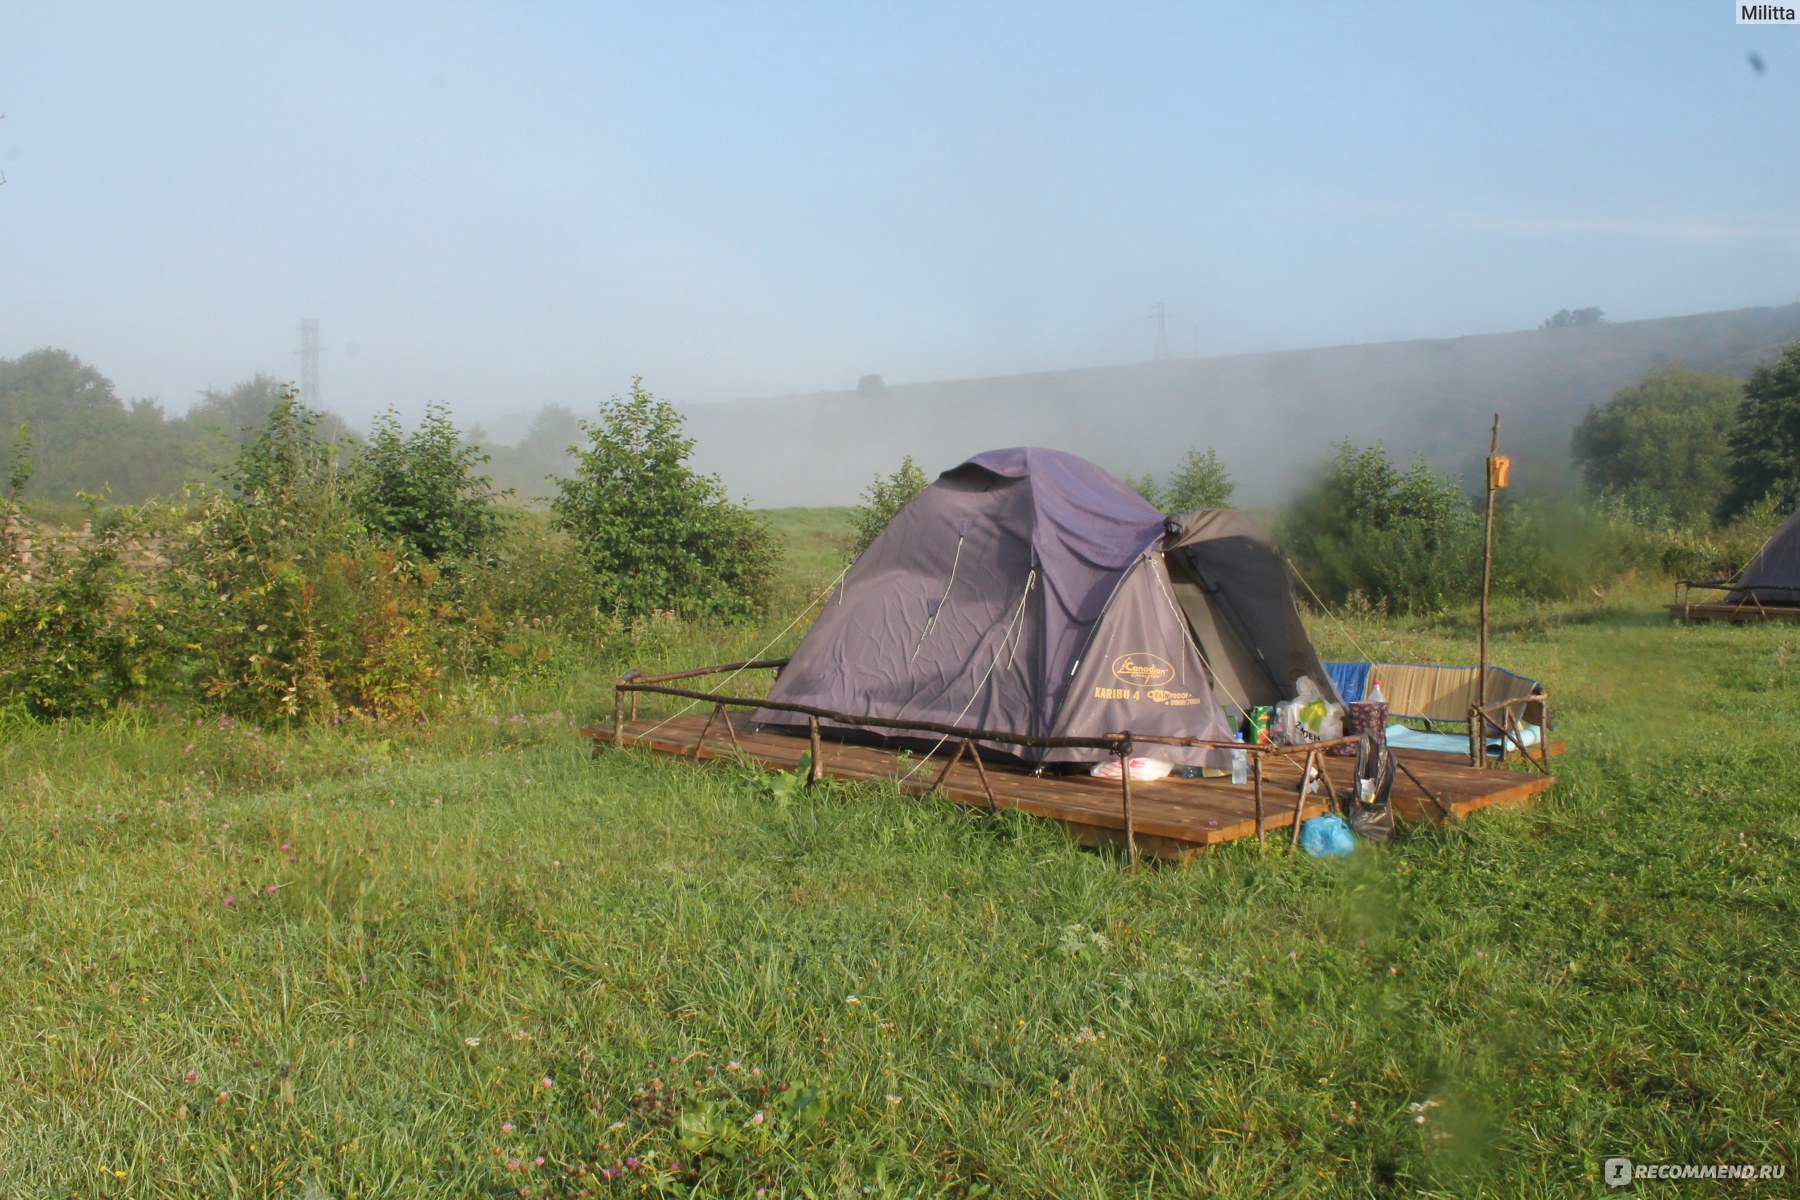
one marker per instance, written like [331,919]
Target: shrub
[80,631]
[1409,538]
[654,533]
[883,499]
[421,489]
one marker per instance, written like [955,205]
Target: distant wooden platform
[1171,818]
[1737,614]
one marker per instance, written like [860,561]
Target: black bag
[1373,818]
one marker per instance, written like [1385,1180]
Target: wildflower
[732,1066]
[507,1127]
[1293,954]
[471,1041]
[545,1083]
[272,887]
[616,1125]
[521,1036]
[1393,970]
[223,1097]
[757,1118]
[1481,954]
[193,1077]
[609,1173]
[230,900]
[631,1164]
[539,1160]
[891,1098]
[851,1000]
[513,1164]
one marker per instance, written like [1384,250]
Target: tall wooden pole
[1487,567]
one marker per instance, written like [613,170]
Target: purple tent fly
[1029,592]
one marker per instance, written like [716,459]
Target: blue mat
[1400,737]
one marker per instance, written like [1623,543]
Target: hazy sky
[501,205]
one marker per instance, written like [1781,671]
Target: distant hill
[1272,417]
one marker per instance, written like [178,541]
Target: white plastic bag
[1142,769]
[1309,717]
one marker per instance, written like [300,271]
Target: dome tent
[1772,577]
[1029,592]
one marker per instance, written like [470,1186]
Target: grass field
[462,958]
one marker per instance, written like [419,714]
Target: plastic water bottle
[1240,765]
[1377,696]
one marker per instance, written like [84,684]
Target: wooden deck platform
[1737,614]
[1171,818]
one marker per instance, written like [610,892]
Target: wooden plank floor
[1171,818]
[1737,614]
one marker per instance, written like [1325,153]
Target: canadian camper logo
[1142,670]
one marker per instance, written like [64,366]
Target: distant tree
[84,438]
[19,471]
[1146,486]
[883,499]
[1563,318]
[1201,481]
[422,490]
[1765,445]
[657,534]
[870,385]
[241,411]
[289,466]
[1662,444]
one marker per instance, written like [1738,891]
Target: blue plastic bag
[1327,837]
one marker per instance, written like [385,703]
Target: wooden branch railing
[1504,717]
[1120,745]
[1684,597]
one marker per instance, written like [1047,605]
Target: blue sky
[502,205]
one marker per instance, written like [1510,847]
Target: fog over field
[1271,417]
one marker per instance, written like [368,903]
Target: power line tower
[309,362]
[1162,332]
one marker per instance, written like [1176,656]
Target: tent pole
[1487,566]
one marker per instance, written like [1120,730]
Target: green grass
[817,540]
[373,947]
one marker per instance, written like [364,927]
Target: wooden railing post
[1124,752]
[1256,786]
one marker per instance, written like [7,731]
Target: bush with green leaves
[883,499]
[81,632]
[1200,481]
[1408,538]
[654,533]
[422,490]
[293,606]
